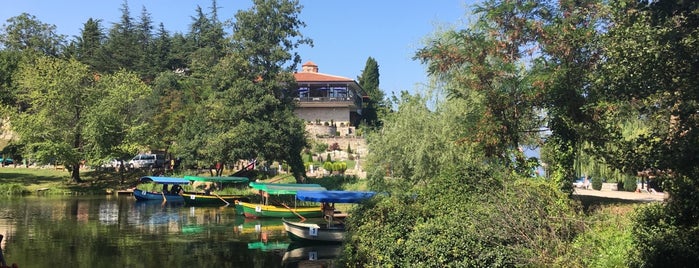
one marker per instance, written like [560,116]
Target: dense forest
[217,93]
[603,88]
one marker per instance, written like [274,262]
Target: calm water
[117,231]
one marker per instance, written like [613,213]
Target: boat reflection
[310,255]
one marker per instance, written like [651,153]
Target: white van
[147,161]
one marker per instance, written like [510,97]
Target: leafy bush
[662,242]
[596,182]
[472,217]
[340,167]
[630,183]
[328,166]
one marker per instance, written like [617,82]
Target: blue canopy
[163,180]
[334,196]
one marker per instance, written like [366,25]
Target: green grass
[52,181]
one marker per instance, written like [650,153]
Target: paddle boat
[330,230]
[169,195]
[209,198]
[279,210]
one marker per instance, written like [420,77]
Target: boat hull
[200,199]
[143,195]
[311,232]
[265,211]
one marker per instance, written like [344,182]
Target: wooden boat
[166,195]
[330,230]
[270,211]
[265,210]
[210,198]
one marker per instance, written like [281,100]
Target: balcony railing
[325,99]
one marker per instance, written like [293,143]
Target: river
[117,231]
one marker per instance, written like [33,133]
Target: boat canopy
[163,180]
[334,196]
[285,188]
[218,179]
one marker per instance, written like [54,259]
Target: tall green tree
[249,111]
[146,64]
[369,81]
[26,33]
[69,116]
[51,127]
[122,47]
[90,45]
[487,62]
[570,45]
[9,63]
[207,40]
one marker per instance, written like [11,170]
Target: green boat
[211,198]
[265,210]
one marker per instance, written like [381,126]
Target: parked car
[113,163]
[147,161]
[6,161]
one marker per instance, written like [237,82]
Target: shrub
[596,183]
[328,166]
[630,183]
[522,222]
[327,158]
[335,147]
[340,167]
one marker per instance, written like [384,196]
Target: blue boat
[172,195]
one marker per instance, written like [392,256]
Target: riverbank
[43,180]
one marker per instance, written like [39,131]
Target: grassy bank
[20,180]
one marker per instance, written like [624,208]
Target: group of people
[176,189]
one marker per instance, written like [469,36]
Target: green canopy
[285,188]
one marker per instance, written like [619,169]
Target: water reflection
[116,231]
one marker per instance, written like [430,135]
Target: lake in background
[117,231]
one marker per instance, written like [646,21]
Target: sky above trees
[345,33]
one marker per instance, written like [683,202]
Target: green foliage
[320,147]
[339,167]
[12,189]
[327,158]
[596,183]
[328,166]
[630,183]
[336,182]
[26,33]
[607,241]
[521,222]
[662,241]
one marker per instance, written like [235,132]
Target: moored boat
[330,230]
[171,195]
[265,210]
[269,211]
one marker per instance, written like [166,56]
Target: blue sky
[345,33]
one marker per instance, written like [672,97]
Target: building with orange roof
[327,98]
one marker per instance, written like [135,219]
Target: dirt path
[642,196]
